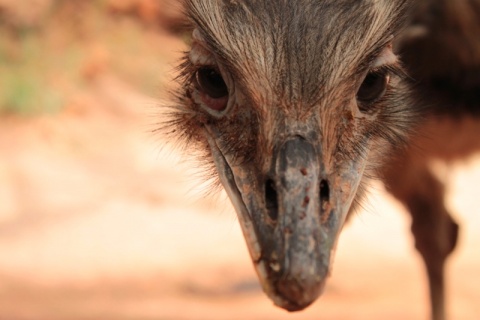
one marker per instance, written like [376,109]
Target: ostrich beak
[290,220]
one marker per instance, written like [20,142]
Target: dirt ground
[99,219]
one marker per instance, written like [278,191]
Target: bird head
[296,104]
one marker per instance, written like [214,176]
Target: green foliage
[42,66]
[29,75]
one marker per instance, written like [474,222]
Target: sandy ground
[99,221]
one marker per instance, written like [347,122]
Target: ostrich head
[295,104]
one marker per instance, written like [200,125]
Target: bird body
[298,104]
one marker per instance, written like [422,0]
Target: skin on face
[292,102]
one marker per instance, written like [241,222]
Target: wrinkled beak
[291,219]
[296,244]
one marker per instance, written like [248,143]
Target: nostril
[324,194]
[271,199]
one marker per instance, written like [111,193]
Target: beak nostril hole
[324,193]
[271,199]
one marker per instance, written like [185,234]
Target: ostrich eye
[373,87]
[211,83]
[213,89]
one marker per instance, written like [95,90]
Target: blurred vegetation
[51,49]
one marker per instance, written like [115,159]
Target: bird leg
[433,228]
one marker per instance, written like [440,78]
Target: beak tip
[296,296]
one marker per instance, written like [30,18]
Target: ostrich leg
[433,228]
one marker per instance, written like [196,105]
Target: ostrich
[297,105]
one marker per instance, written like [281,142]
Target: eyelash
[393,70]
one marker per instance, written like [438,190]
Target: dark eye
[373,88]
[210,82]
[213,89]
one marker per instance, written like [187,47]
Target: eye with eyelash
[373,87]
[209,84]
[211,87]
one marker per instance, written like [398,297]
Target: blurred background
[101,219]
